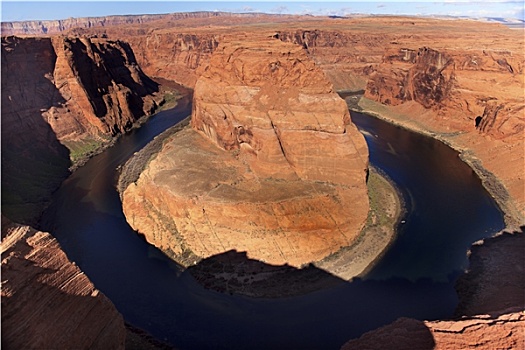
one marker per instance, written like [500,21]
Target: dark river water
[447,211]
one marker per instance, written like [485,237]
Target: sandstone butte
[271,165]
[62,98]
[47,302]
[460,81]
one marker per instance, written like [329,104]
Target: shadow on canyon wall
[98,79]
[34,163]
[495,280]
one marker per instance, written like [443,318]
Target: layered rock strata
[65,25]
[176,56]
[47,302]
[480,332]
[272,165]
[62,98]
[79,86]
[471,99]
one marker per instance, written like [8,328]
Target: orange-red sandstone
[272,165]
[47,302]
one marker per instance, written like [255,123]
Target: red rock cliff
[272,166]
[472,98]
[62,98]
[180,57]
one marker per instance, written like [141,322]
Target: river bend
[448,209]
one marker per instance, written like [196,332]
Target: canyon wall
[347,58]
[272,165]
[180,57]
[465,87]
[472,99]
[458,84]
[47,302]
[64,25]
[62,98]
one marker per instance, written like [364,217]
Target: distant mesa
[271,166]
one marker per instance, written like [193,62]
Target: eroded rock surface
[47,302]
[480,332]
[472,99]
[272,165]
[80,86]
[62,98]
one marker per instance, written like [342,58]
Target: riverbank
[386,211]
[494,186]
[169,94]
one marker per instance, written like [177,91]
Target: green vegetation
[385,205]
[80,150]
[170,100]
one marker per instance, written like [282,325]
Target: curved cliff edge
[271,166]
[470,99]
[47,302]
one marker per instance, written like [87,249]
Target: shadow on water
[155,294]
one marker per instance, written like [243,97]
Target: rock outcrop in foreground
[272,165]
[481,332]
[47,302]
[490,314]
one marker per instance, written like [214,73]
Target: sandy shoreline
[386,210]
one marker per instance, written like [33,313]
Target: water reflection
[448,207]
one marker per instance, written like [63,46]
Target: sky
[45,10]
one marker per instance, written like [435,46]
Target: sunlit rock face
[47,302]
[271,165]
[471,95]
